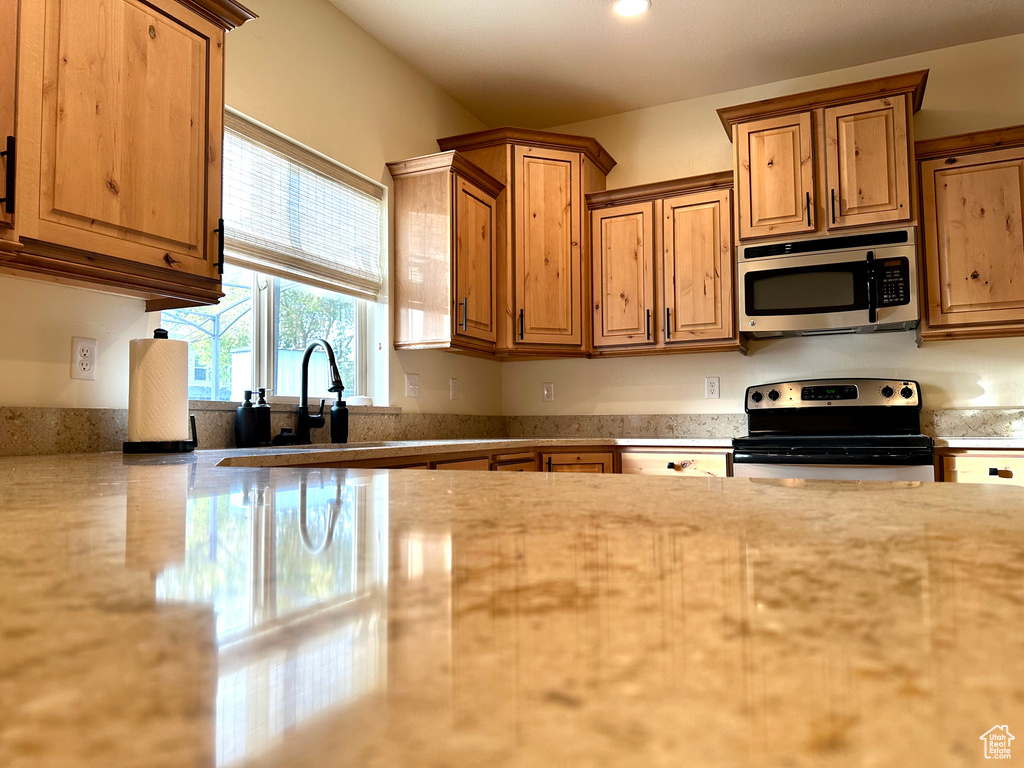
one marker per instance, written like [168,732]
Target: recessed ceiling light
[631,7]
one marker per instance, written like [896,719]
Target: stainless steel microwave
[847,284]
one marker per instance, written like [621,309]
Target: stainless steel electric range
[835,429]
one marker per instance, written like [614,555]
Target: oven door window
[807,290]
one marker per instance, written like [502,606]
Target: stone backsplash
[36,431]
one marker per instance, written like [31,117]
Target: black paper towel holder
[165,446]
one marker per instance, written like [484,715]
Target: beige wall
[306,70]
[970,87]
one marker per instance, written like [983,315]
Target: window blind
[292,213]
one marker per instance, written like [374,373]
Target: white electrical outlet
[549,392]
[712,389]
[83,358]
[412,385]
[453,389]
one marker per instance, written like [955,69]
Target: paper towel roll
[157,390]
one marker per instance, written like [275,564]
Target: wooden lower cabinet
[972,188]
[989,467]
[579,461]
[684,462]
[526,465]
[476,465]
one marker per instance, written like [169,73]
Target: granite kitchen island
[164,611]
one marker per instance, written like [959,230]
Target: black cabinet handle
[833,206]
[648,325]
[522,326]
[464,311]
[671,465]
[220,246]
[872,288]
[549,463]
[668,323]
[809,209]
[11,175]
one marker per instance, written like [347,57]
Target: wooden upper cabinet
[867,163]
[662,263]
[622,243]
[548,246]
[474,261]
[825,160]
[444,264]
[120,121]
[8,71]
[775,176]
[541,235]
[973,210]
[698,267]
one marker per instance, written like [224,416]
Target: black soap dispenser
[245,423]
[263,428]
[339,421]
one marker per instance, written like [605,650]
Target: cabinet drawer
[597,463]
[991,468]
[678,463]
[478,465]
[527,465]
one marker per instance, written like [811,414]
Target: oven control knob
[888,391]
[773,395]
[907,392]
[757,397]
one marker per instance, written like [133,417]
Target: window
[303,262]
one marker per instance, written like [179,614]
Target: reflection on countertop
[167,611]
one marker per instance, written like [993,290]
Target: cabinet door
[124,153]
[775,176]
[622,240]
[473,313]
[697,268]
[867,167]
[547,262]
[8,70]
[473,465]
[974,243]
[594,463]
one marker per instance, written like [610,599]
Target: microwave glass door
[807,290]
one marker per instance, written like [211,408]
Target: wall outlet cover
[712,388]
[549,392]
[412,385]
[453,389]
[83,358]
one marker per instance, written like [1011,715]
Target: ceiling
[543,63]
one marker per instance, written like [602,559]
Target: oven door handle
[872,288]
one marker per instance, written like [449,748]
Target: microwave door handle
[872,288]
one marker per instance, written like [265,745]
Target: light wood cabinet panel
[623,274]
[594,463]
[473,465]
[973,207]
[445,256]
[517,466]
[119,128]
[867,167]
[775,176]
[8,71]
[474,261]
[989,468]
[548,234]
[698,267]
[684,462]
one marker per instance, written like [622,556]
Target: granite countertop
[164,611]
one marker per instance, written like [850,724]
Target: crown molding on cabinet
[588,146]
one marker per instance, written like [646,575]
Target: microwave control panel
[893,280]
